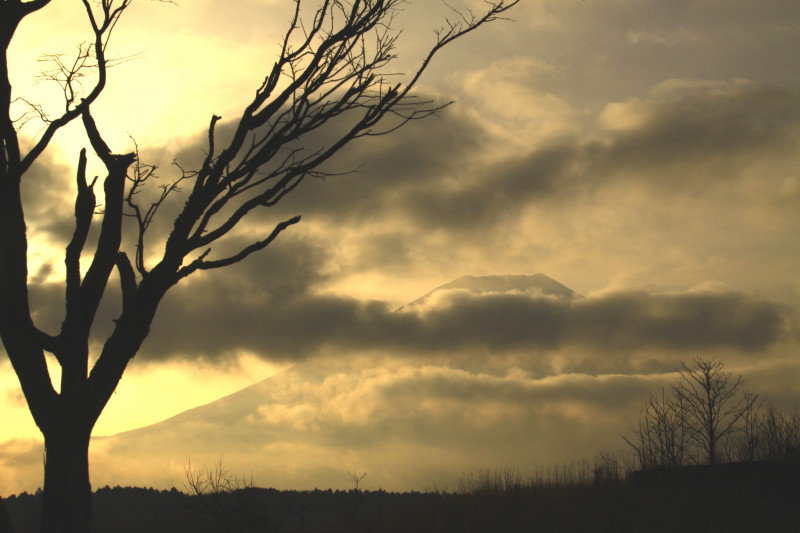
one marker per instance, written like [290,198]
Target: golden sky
[642,153]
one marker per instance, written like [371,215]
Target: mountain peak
[532,284]
[506,283]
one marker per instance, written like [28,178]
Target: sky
[642,153]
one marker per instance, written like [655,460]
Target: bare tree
[331,70]
[661,438]
[222,498]
[356,477]
[714,403]
[780,435]
[770,434]
[694,423]
[749,440]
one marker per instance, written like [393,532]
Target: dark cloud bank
[213,317]
[207,319]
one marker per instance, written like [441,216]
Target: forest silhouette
[750,483]
[730,498]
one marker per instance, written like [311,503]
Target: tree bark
[67,495]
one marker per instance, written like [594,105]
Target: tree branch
[127,281]
[202,264]
[84,303]
[85,203]
[102,32]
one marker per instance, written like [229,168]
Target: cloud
[688,321]
[697,134]
[388,169]
[20,465]
[713,145]
[324,421]
[689,138]
[607,52]
[216,318]
[271,305]
[698,159]
[686,138]
[49,207]
[408,424]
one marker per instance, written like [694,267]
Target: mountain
[536,284]
[400,419]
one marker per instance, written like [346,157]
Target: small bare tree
[330,75]
[714,404]
[780,431]
[222,498]
[356,477]
[660,440]
[749,440]
[770,434]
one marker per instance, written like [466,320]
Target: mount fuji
[536,284]
[307,426]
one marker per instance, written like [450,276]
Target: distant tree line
[568,499]
[707,417]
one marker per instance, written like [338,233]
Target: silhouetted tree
[705,408]
[330,70]
[222,498]
[660,439]
[770,434]
[714,404]
[356,477]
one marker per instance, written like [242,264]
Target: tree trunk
[67,495]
